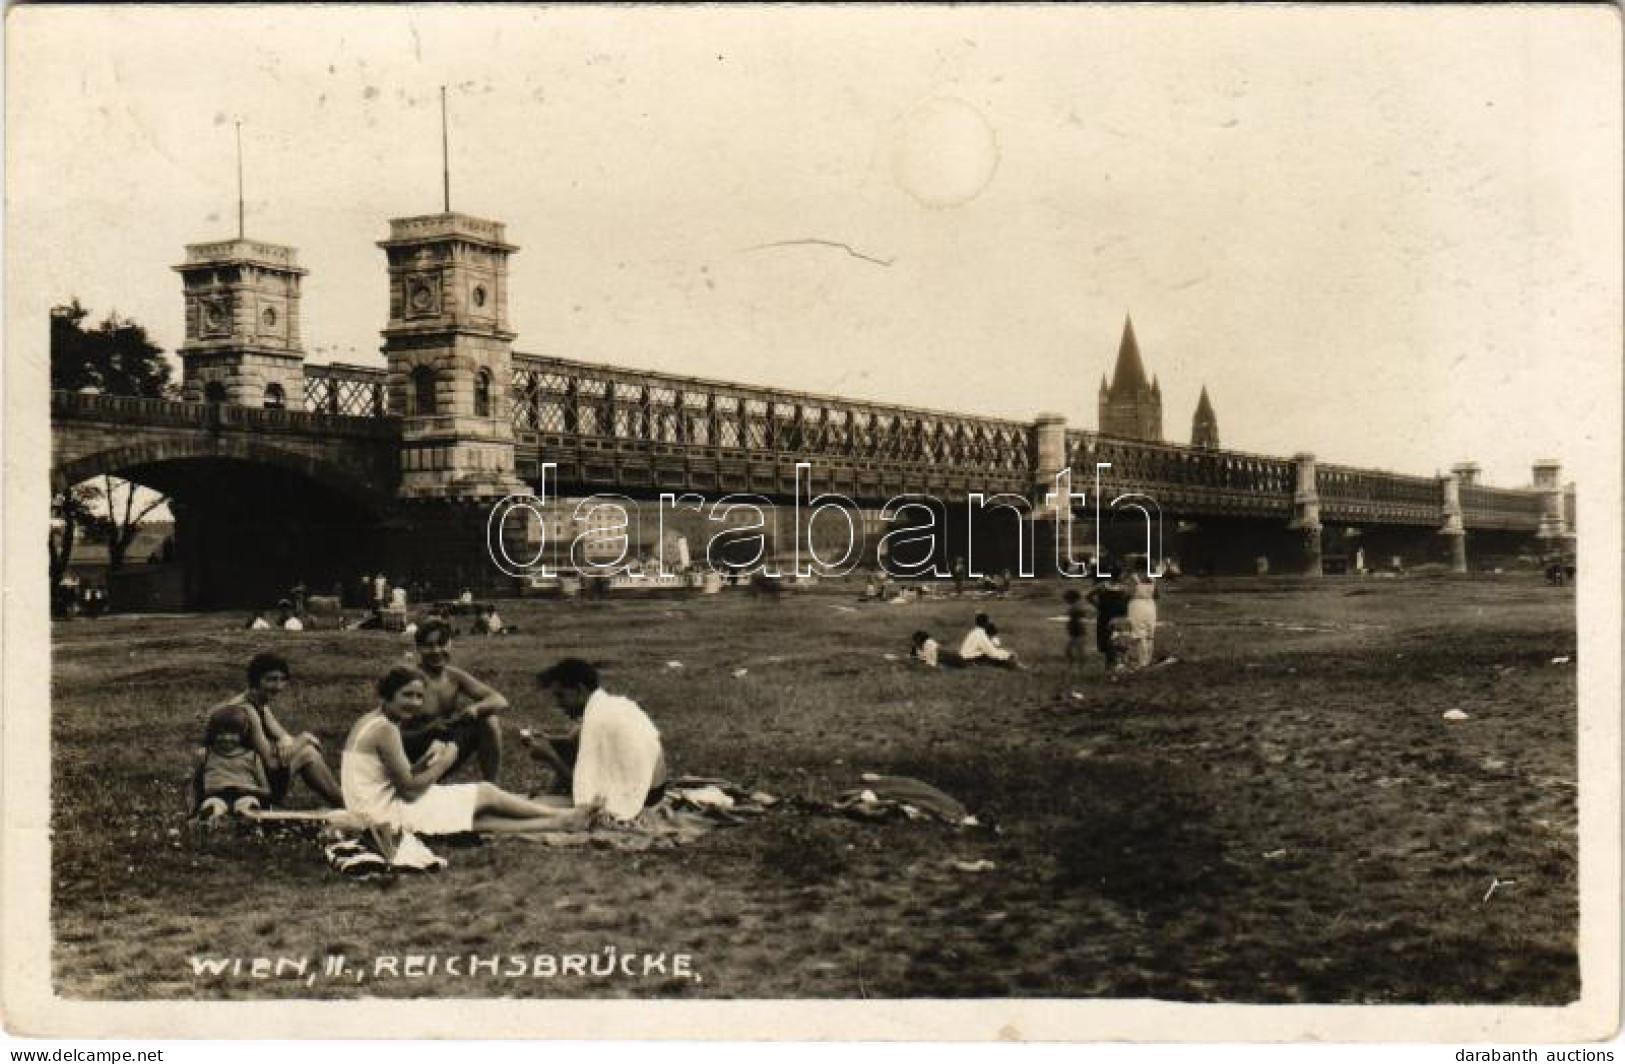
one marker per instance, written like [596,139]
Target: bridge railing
[1500,508]
[207,417]
[350,391]
[128,409]
[1350,494]
[1180,477]
[565,399]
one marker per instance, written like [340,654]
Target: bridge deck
[635,431]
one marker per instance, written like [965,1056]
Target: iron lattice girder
[1183,480]
[566,400]
[347,391]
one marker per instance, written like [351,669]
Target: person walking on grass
[1143,594]
[281,754]
[382,784]
[1110,603]
[1077,652]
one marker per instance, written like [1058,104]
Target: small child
[1123,642]
[231,777]
[925,650]
[1077,651]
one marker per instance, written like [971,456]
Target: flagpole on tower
[445,151]
[239,179]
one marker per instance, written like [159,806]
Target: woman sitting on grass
[382,785]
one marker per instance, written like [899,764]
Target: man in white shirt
[981,646]
[615,758]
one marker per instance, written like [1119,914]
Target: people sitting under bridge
[282,755]
[387,785]
[981,646]
[458,709]
[489,622]
[614,759]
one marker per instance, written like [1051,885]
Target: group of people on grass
[980,646]
[1125,616]
[432,720]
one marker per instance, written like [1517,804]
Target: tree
[115,357]
[124,516]
[71,511]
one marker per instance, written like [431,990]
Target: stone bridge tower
[450,364]
[242,325]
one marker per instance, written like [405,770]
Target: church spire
[1131,405]
[1205,424]
[1128,377]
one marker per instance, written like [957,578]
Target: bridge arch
[123,460]
[251,520]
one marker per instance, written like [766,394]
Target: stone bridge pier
[1306,518]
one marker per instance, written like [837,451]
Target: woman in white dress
[381,784]
[1142,616]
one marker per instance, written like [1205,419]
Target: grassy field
[1282,816]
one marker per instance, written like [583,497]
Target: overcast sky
[1388,236]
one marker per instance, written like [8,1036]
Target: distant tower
[1205,426]
[447,345]
[1130,405]
[450,365]
[242,341]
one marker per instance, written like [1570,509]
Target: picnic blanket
[380,851]
[691,808]
[901,798]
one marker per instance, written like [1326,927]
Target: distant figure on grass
[372,619]
[614,759]
[981,646]
[959,575]
[281,755]
[1111,603]
[1143,593]
[287,619]
[1076,652]
[457,708]
[384,785]
[925,650]
[258,623]
[489,622]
